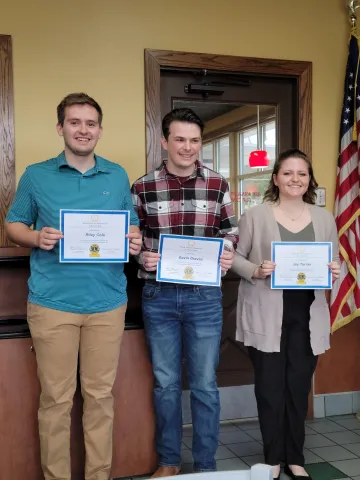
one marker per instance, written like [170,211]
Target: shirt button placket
[81,182]
[182,208]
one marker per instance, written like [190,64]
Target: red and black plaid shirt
[199,205]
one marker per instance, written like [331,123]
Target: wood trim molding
[7,150]
[15,251]
[157,59]
[153,111]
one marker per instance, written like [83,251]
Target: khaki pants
[59,338]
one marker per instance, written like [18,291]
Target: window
[216,155]
[223,156]
[229,155]
[207,155]
[252,183]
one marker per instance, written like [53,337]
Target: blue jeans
[184,321]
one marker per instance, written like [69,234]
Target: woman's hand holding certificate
[264,270]
[334,269]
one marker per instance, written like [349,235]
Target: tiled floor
[332,447]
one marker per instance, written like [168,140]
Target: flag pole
[353,5]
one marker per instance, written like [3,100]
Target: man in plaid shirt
[183,197]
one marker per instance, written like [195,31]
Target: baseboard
[336,404]
[235,403]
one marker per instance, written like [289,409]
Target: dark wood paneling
[7,147]
[134,425]
[19,398]
[134,421]
[235,366]
[14,251]
[134,429]
[338,368]
[14,274]
[155,59]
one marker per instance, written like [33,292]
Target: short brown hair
[185,115]
[272,193]
[76,99]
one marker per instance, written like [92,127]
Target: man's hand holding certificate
[302,265]
[190,260]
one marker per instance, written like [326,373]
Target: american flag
[345,295]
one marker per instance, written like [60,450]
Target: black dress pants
[283,383]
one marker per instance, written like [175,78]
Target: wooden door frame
[7,140]
[155,60]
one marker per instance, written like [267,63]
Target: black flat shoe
[292,475]
[278,477]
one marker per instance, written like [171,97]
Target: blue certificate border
[296,287]
[190,282]
[124,259]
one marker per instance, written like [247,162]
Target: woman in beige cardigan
[285,330]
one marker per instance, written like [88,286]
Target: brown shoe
[166,472]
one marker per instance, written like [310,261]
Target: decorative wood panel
[134,428]
[19,386]
[156,59]
[7,147]
[338,368]
[14,274]
[153,111]
[134,421]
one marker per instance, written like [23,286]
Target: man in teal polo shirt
[74,309]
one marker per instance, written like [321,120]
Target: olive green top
[307,234]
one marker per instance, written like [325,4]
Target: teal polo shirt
[43,190]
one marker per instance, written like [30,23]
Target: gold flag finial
[353,5]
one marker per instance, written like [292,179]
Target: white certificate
[190,260]
[301,265]
[94,236]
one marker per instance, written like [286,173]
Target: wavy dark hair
[272,193]
[180,115]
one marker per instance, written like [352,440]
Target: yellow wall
[97,47]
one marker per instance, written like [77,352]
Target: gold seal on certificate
[301,277]
[189,260]
[94,250]
[188,273]
[94,236]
